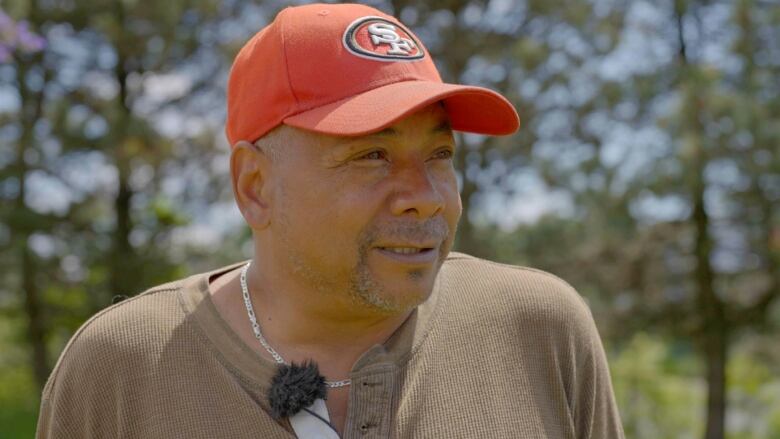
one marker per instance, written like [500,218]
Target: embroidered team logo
[381,39]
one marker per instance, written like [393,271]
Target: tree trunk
[122,253]
[715,327]
[716,351]
[122,279]
[35,327]
[36,332]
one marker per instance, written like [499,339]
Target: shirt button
[364,428]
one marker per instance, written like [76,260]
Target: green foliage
[19,395]
[659,393]
[754,399]
[18,409]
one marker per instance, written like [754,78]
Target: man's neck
[302,325]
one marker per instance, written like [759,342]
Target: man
[353,319]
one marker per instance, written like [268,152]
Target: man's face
[369,219]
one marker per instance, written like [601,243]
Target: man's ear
[249,170]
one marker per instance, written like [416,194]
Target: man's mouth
[406,250]
[409,255]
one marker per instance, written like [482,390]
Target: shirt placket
[370,402]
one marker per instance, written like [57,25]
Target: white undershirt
[308,426]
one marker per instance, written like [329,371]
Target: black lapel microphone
[295,387]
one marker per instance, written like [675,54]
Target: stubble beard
[366,291]
[362,289]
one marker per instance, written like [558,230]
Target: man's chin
[392,287]
[397,298]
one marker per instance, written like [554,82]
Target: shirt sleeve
[80,397]
[59,406]
[595,410]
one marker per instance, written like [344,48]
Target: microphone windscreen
[295,387]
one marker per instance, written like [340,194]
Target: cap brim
[470,109]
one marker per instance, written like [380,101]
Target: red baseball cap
[347,70]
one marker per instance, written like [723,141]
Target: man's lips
[411,254]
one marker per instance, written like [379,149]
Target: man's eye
[373,155]
[443,154]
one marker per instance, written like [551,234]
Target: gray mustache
[434,229]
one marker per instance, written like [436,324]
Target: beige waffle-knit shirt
[497,351]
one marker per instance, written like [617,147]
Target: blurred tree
[729,178]
[21,220]
[671,163]
[87,192]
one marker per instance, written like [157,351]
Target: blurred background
[646,174]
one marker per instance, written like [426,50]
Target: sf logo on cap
[384,33]
[380,39]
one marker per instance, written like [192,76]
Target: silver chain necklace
[259,335]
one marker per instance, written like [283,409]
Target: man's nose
[416,193]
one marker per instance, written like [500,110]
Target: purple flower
[5,21]
[5,53]
[27,40]
[7,29]
[15,36]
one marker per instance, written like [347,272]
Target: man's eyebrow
[443,127]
